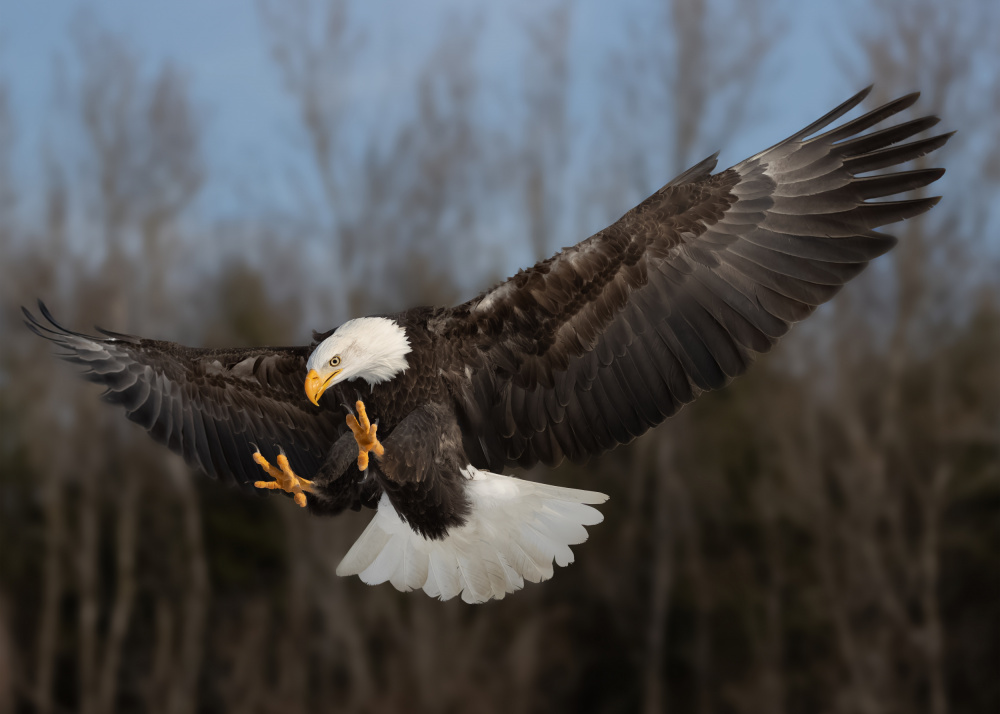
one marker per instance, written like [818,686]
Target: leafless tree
[7,195]
[10,665]
[546,130]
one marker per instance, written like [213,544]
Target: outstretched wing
[594,346]
[211,406]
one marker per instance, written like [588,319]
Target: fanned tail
[514,533]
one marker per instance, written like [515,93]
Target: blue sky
[250,132]
[220,47]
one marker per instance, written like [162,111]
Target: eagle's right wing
[211,406]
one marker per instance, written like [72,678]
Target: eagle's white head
[370,348]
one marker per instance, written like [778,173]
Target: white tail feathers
[515,530]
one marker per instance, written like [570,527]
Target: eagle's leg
[284,478]
[364,434]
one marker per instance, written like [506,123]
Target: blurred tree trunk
[546,130]
[121,609]
[186,669]
[663,568]
[53,503]
[8,196]
[9,666]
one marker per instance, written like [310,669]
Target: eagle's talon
[365,435]
[284,478]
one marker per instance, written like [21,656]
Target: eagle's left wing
[592,347]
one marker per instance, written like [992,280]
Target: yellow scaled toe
[284,479]
[364,434]
[268,469]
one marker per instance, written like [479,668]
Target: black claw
[256,448]
[349,409]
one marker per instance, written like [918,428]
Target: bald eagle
[580,353]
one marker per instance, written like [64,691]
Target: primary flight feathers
[584,351]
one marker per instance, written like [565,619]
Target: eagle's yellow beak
[315,386]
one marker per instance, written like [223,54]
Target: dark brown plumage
[582,352]
[615,334]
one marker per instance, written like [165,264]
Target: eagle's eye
[335,361]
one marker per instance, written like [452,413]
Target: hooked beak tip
[314,387]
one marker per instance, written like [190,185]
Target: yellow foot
[284,478]
[364,434]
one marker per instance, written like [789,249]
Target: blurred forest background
[822,536]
